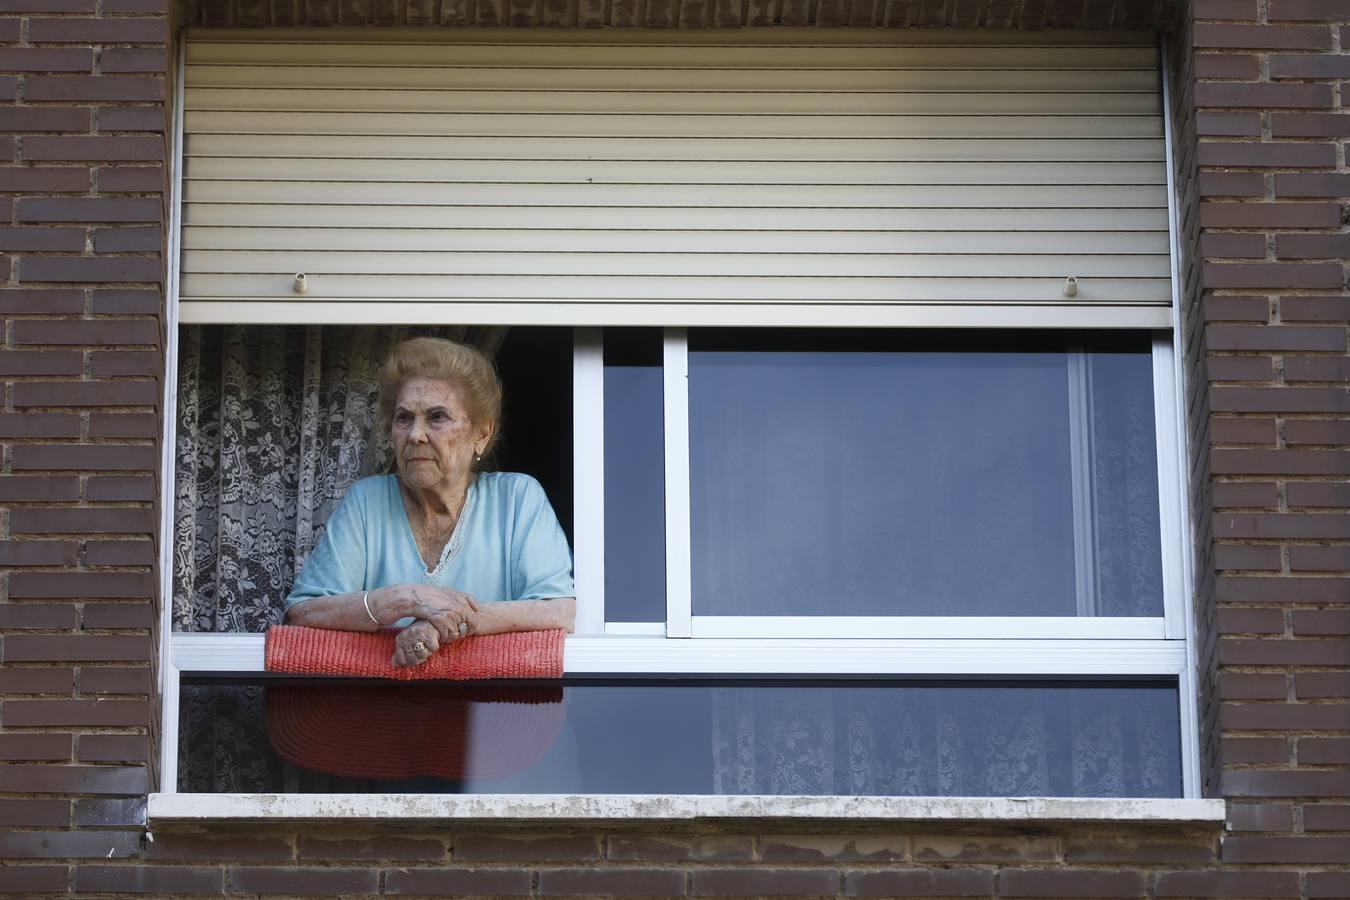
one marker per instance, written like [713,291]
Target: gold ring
[420,647]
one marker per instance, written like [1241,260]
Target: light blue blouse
[507,545]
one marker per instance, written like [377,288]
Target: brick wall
[1273,183]
[81,168]
[1261,169]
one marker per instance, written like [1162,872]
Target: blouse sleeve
[543,561]
[338,563]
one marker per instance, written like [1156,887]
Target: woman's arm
[496,617]
[443,608]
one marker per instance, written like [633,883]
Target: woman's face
[434,439]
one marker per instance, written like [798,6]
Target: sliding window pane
[922,478]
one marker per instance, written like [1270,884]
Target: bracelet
[365,601]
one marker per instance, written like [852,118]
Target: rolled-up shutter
[857,178]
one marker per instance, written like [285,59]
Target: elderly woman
[438,546]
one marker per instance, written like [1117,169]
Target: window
[875,491]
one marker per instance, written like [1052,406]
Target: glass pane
[635,501]
[1056,739]
[924,479]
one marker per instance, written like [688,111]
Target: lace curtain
[274,425]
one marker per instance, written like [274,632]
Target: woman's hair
[467,368]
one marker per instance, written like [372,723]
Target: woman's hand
[415,644]
[445,609]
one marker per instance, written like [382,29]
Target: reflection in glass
[1058,739]
[924,482]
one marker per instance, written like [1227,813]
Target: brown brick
[1284,125]
[1324,621]
[1262,37]
[100,713]
[378,847]
[1235,495]
[133,179]
[1318,494]
[1308,558]
[441,882]
[1226,884]
[38,425]
[1322,685]
[1286,850]
[1254,154]
[40,362]
[1269,215]
[1246,556]
[1239,368]
[34,813]
[125,302]
[1246,620]
[123,425]
[81,585]
[1279,400]
[963,848]
[113,268]
[120,488]
[1317,368]
[58,239]
[612,882]
[1245,686]
[1265,96]
[1226,65]
[114,747]
[1266,275]
[1309,65]
[87,331]
[99,31]
[106,209]
[68,844]
[1316,751]
[119,553]
[41,300]
[47,59]
[114,680]
[1070,883]
[38,553]
[1266,652]
[672,848]
[1307,11]
[1261,817]
[86,393]
[1283,716]
[296,880]
[187,847]
[526,847]
[764,882]
[1232,246]
[124,520]
[76,648]
[1319,817]
[34,879]
[119,615]
[121,811]
[815,848]
[1236,309]
[43,118]
[45,616]
[14,680]
[129,59]
[1233,184]
[1275,337]
[175,880]
[1196,850]
[1280,462]
[85,456]
[1231,430]
[95,149]
[34,747]
[1228,124]
[54,6]
[1328,885]
[46,179]
[104,363]
[99,87]
[1257,751]
[1225,9]
[127,240]
[1312,246]
[920,882]
[1308,184]
[1281,589]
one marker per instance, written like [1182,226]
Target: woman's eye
[440,417]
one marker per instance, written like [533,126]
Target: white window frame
[815,646]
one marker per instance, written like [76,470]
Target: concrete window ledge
[204,808]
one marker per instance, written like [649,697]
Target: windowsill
[202,808]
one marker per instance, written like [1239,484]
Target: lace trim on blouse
[450,552]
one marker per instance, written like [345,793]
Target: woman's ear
[483,436]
